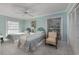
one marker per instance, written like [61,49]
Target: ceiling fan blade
[20,9]
[30,14]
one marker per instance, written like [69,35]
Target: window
[13,27]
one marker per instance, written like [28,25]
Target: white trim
[50,14]
[68,28]
[68,7]
[61,25]
[71,8]
[6,27]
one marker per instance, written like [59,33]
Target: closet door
[77,29]
[74,29]
[77,22]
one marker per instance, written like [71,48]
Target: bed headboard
[28,29]
[41,29]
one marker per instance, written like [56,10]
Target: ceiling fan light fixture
[25,12]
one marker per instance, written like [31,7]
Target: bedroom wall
[24,24]
[42,22]
[3,24]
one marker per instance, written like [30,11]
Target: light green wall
[42,22]
[27,24]
[3,25]
[24,24]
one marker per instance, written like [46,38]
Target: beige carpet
[9,48]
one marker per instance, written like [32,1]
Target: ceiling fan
[23,11]
[28,13]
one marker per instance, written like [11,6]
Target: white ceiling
[17,10]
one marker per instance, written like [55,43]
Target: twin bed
[32,40]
